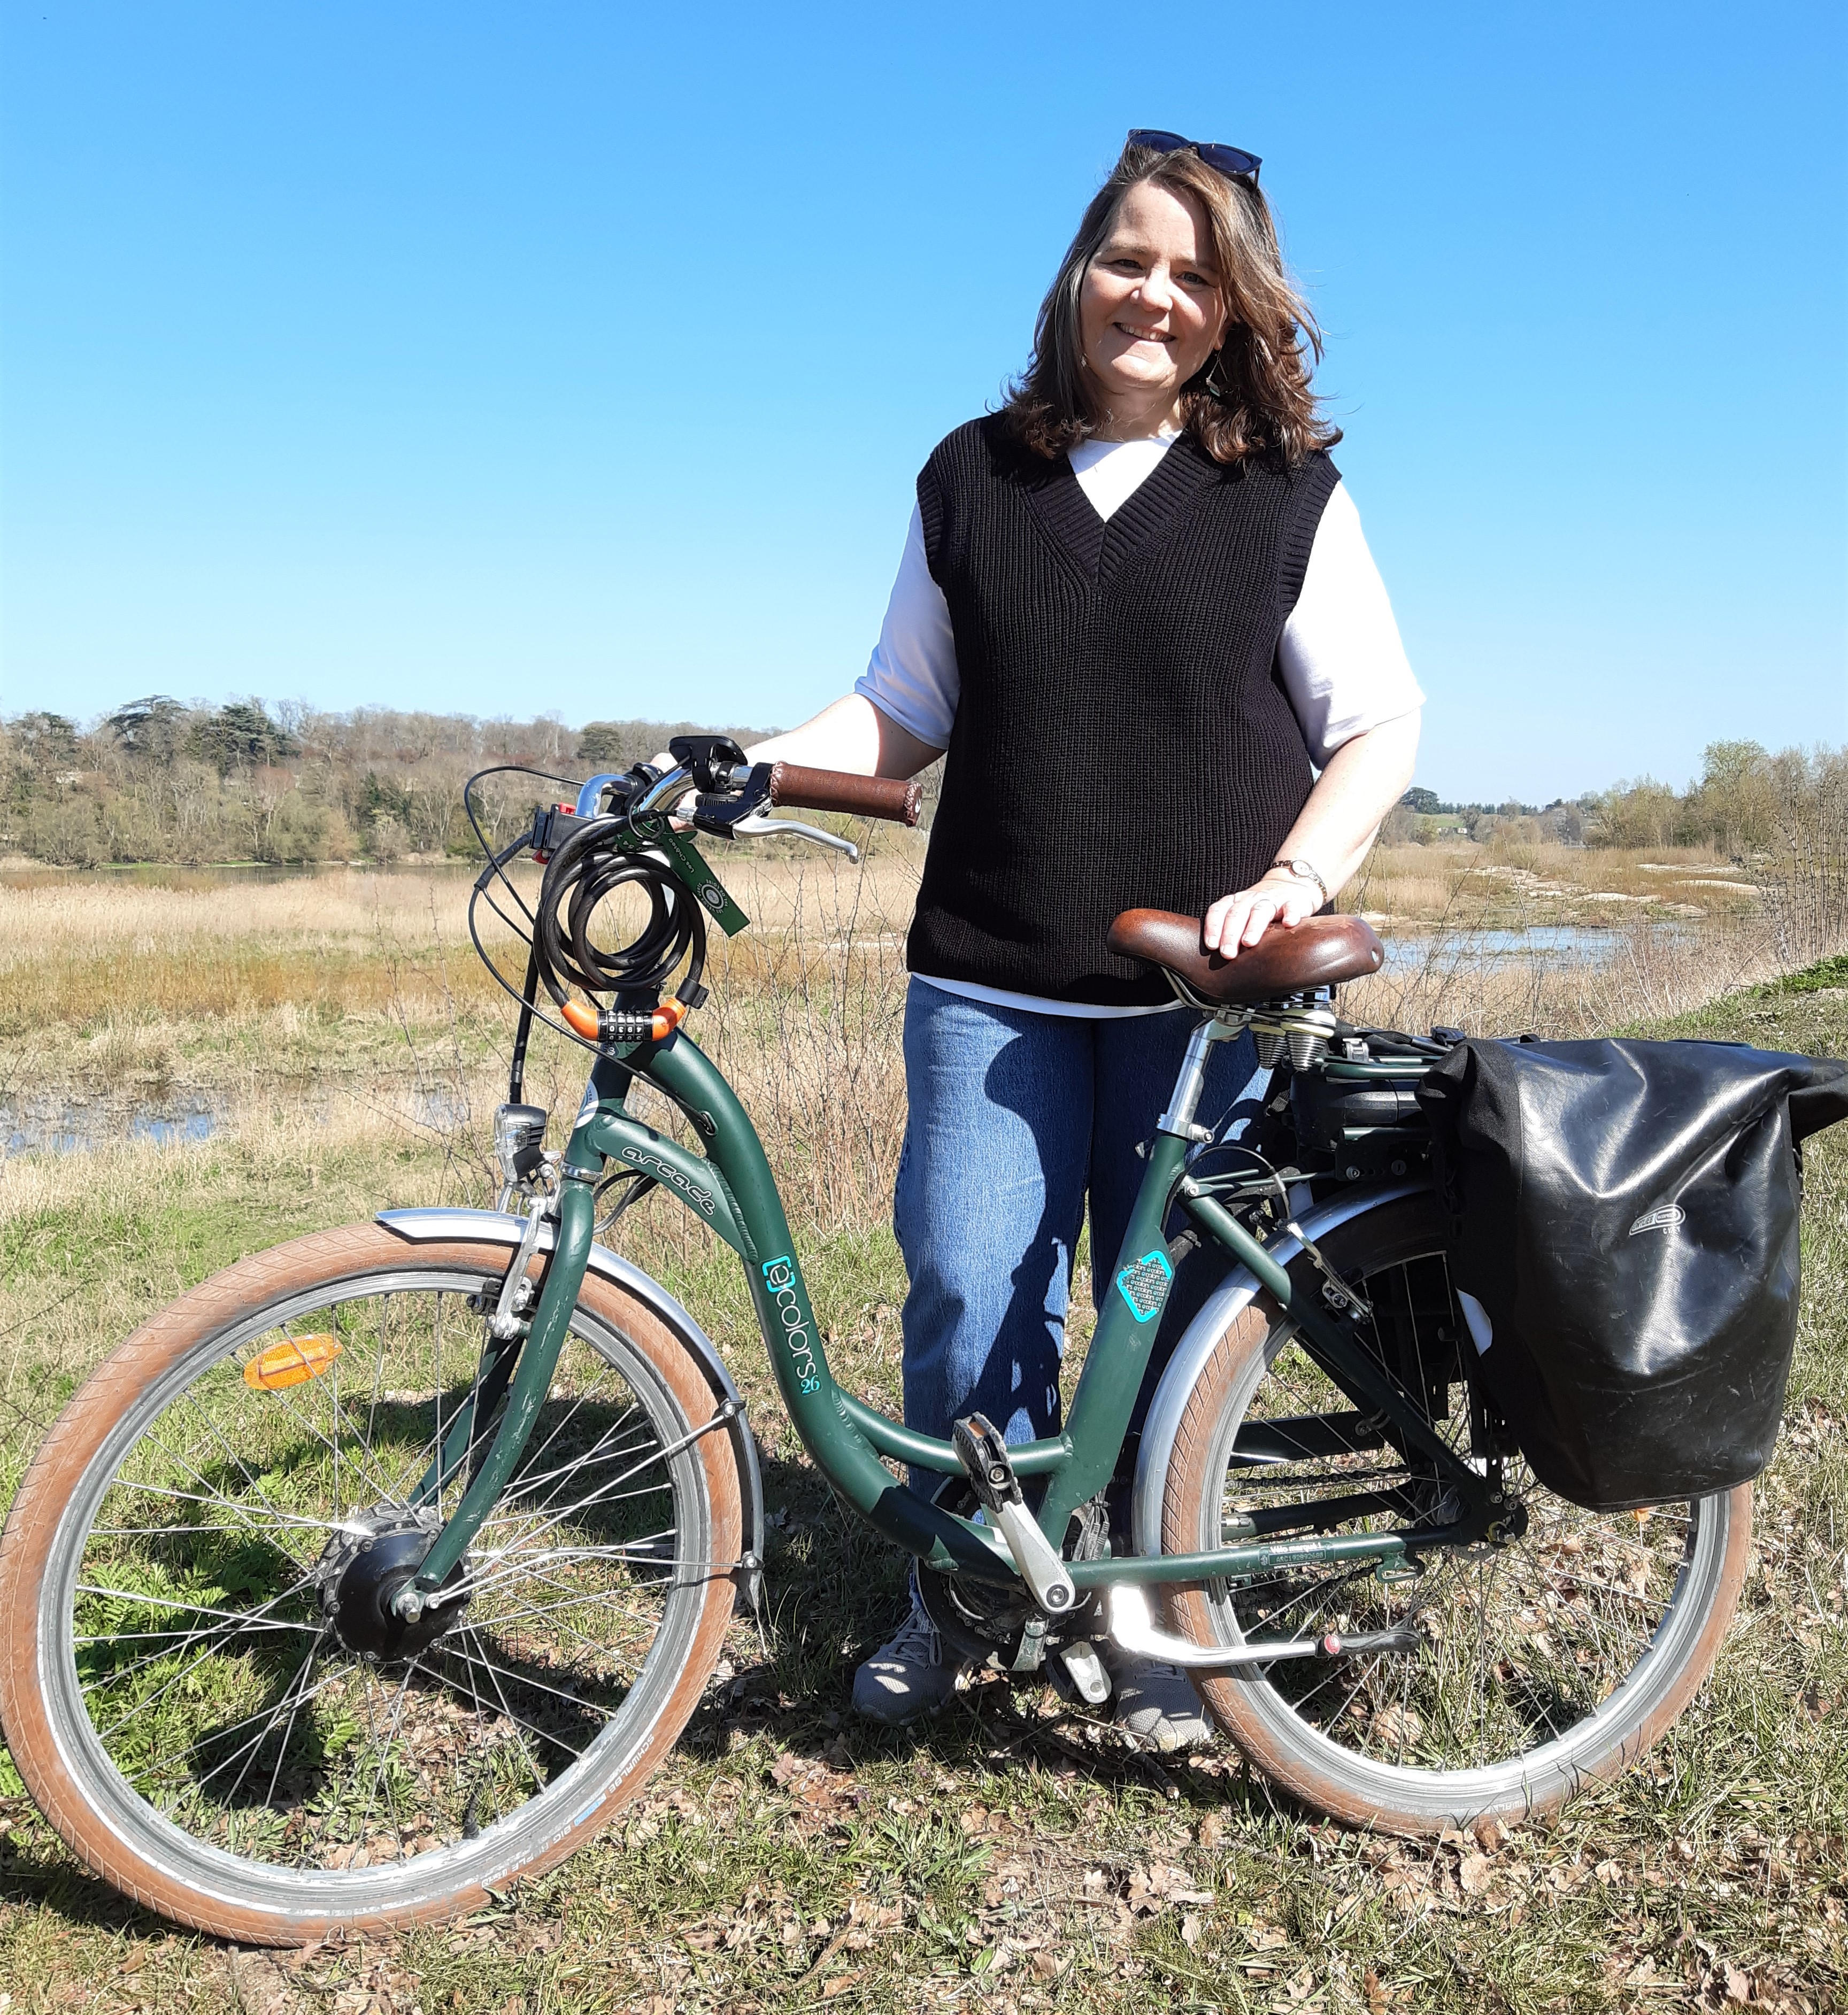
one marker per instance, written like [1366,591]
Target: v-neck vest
[1122,737]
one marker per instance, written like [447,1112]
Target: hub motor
[365,1563]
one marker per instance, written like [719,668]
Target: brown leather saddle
[1320,951]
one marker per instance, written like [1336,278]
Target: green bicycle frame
[730,1189]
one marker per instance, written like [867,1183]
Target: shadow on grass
[39,1872]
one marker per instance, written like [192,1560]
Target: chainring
[987,1622]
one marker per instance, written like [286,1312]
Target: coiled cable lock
[583,871]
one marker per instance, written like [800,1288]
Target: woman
[1136,608]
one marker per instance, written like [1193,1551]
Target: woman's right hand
[1238,920]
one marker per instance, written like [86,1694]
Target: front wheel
[202,1679]
[1537,1664]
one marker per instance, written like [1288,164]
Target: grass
[1012,1855]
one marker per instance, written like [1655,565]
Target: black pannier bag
[1624,1242]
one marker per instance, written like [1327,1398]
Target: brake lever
[757,825]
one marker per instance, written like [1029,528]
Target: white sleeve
[1343,665]
[911,675]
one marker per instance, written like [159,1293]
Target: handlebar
[895,797]
[728,796]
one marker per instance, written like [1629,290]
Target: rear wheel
[1540,1663]
[202,1680]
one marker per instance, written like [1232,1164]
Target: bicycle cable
[599,857]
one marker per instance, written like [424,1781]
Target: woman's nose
[1156,290]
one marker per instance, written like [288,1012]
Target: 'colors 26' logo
[779,1277]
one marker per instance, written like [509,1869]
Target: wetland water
[65,1125]
[58,1120]
[1584,944]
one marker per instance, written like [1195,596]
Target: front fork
[524,1371]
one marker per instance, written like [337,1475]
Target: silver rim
[234,1731]
[1537,1660]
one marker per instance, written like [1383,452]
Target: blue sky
[582,356]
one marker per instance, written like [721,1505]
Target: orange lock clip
[661,1024]
[292,1361]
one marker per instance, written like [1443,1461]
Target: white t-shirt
[1343,666]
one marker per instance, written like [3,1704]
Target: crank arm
[1132,1629]
[991,1471]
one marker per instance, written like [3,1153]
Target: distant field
[1014,1855]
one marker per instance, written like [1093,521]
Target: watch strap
[1303,871]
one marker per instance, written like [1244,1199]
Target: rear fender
[1225,1305]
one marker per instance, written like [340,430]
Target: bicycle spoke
[307,1668]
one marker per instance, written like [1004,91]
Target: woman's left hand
[1238,920]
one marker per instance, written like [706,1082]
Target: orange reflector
[292,1361]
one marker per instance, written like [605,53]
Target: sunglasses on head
[1229,160]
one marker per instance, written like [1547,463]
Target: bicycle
[383,1567]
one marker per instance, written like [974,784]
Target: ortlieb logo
[1664,1217]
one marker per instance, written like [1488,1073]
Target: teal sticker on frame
[1144,1284]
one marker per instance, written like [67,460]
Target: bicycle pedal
[1085,1671]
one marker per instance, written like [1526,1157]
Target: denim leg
[989,1197]
[1137,1061]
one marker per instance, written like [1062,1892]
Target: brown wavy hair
[1253,396]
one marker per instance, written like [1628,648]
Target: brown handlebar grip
[836,791]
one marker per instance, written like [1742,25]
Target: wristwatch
[1303,872]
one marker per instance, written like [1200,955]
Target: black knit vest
[1123,739]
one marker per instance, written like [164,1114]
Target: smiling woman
[1172,308]
[1136,613]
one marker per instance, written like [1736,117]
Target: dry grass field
[348,1050]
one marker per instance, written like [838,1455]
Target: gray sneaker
[908,1675]
[1157,1703]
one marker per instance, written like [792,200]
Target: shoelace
[915,1641]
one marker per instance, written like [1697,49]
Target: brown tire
[1534,1674]
[577,1641]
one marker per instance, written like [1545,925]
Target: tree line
[1747,803]
[159,780]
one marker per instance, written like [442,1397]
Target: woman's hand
[1239,920]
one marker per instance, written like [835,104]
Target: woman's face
[1149,310]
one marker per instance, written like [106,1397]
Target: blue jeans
[1016,1118]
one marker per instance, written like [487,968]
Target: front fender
[1226,1303]
[497,1228]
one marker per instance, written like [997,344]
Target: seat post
[1178,1119]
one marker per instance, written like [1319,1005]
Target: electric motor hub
[362,1568]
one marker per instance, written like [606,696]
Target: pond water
[59,1124]
[70,1126]
[1589,944]
[212,874]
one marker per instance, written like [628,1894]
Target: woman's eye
[1194,280]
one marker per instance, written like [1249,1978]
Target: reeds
[350,1004]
